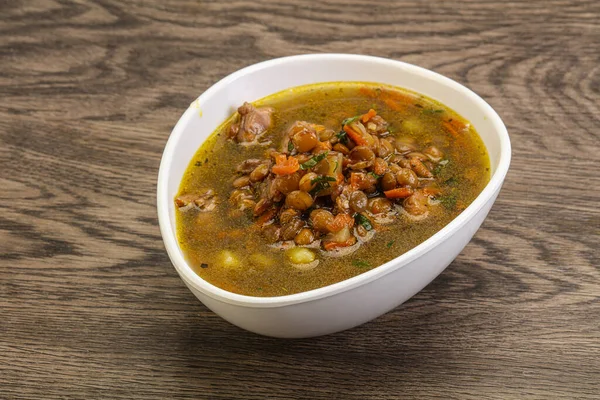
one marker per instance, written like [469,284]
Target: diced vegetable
[228,259]
[300,255]
[313,161]
[355,136]
[366,117]
[399,193]
[363,221]
[284,165]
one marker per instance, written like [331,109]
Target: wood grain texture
[90,306]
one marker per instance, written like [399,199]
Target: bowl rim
[192,279]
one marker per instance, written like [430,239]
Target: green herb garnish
[362,220]
[342,137]
[374,175]
[390,243]
[451,182]
[290,146]
[350,120]
[313,161]
[321,182]
[438,168]
[449,201]
[360,263]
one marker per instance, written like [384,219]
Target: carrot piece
[339,222]
[392,104]
[336,245]
[450,128]
[285,166]
[399,193]
[404,99]
[365,91]
[370,114]
[454,127]
[380,166]
[355,136]
[429,191]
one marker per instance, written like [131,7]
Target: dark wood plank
[91,307]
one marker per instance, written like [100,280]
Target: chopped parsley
[363,221]
[449,201]
[313,161]
[390,243]
[360,263]
[438,168]
[451,182]
[290,146]
[350,120]
[321,182]
[374,175]
[342,137]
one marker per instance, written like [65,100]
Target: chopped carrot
[392,104]
[450,128]
[365,91]
[285,166]
[370,114]
[380,166]
[396,100]
[403,98]
[339,222]
[429,191]
[336,245]
[355,136]
[399,193]
[455,127]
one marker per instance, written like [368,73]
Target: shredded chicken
[252,125]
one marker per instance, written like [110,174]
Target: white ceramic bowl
[357,300]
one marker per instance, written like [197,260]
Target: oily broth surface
[204,235]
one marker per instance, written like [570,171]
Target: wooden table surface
[90,304]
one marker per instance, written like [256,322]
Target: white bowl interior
[220,101]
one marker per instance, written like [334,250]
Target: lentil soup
[320,183]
